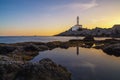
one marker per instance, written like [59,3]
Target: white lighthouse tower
[77,27]
[77,20]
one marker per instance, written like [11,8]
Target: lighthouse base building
[77,27]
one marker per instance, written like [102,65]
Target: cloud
[78,6]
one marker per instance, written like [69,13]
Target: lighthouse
[77,27]
[77,20]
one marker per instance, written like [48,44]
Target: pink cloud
[78,6]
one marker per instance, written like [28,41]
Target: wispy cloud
[78,6]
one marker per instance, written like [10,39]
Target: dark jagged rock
[26,43]
[75,40]
[89,38]
[8,71]
[5,58]
[43,47]
[53,44]
[116,31]
[31,47]
[6,49]
[87,45]
[113,49]
[46,69]
[64,45]
[98,46]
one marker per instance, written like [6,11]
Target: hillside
[96,32]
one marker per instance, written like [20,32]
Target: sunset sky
[49,17]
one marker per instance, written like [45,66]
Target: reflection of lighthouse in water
[77,52]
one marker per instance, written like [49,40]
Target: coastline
[19,54]
[28,50]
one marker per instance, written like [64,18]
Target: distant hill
[97,32]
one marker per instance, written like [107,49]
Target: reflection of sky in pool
[89,64]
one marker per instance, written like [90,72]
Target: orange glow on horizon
[53,29]
[50,31]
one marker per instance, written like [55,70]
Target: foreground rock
[27,50]
[113,49]
[5,58]
[44,70]
[6,49]
[20,51]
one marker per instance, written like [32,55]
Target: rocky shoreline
[26,51]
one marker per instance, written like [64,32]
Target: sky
[50,17]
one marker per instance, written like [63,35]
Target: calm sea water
[16,39]
[85,64]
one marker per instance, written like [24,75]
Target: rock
[64,45]
[8,71]
[46,69]
[98,46]
[87,45]
[31,47]
[116,31]
[75,40]
[26,43]
[88,38]
[53,44]
[101,32]
[5,58]
[112,49]
[43,47]
[6,49]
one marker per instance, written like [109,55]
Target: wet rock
[108,41]
[75,40]
[6,49]
[46,69]
[8,71]
[31,47]
[43,47]
[26,43]
[5,58]
[98,46]
[64,45]
[112,49]
[88,38]
[87,45]
[53,44]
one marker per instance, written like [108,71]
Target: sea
[83,63]
[17,39]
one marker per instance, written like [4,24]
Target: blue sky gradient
[49,17]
